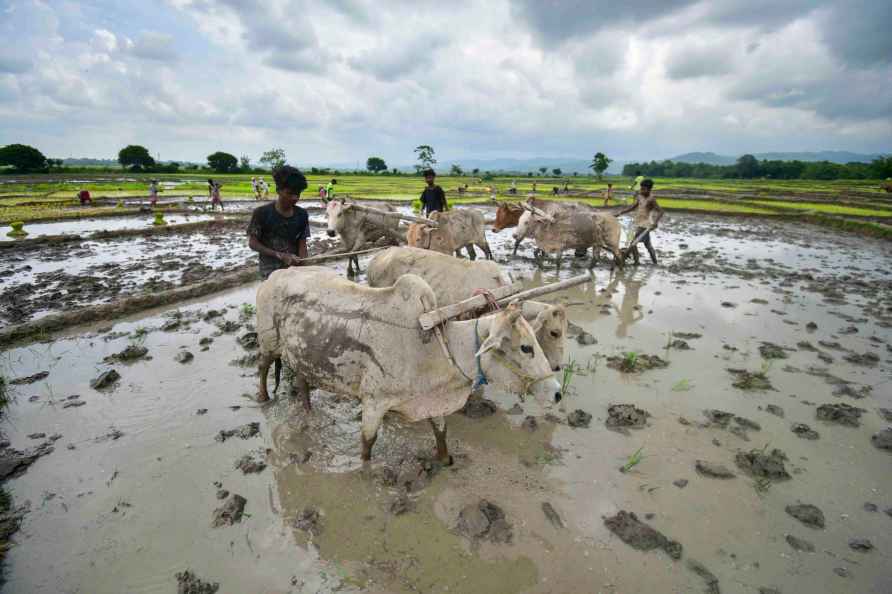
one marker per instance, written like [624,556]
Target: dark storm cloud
[858,31]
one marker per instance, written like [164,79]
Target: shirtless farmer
[647,217]
[279,230]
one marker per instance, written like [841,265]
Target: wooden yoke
[395,215]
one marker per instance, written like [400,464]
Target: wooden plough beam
[395,215]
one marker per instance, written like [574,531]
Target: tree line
[748,167]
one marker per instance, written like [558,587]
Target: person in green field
[329,189]
[647,218]
[433,198]
[279,230]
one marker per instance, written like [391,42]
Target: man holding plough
[647,217]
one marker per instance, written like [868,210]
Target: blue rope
[480,380]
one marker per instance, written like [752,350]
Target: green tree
[22,158]
[273,158]
[542,170]
[881,168]
[600,163]
[245,163]
[425,155]
[375,164]
[476,171]
[747,167]
[395,170]
[50,163]
[456,170]
[556,171]
[135,157]
[222,162]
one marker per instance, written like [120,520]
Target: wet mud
[120,501]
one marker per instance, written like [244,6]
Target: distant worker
[278,231]
[636,185]
[329,189]
[211,185]
[534,187]
[323,195]
[888,185]
[215,196]
[608,194]
[264,188]
[84,197]
[255,187]
[647,217]
[513,189]
[153,192]
[566,187]
[433,198]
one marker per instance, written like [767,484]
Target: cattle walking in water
[455,229]
[364,342]
[455,279]
[572,228]
[358,227]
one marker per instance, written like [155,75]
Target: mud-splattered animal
[455,279]
[456,228]
[358,227]
[571,228]
[351,339]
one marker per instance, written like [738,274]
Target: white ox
[571,228]
[456,228]
[455,279]
[358,227]
[351,339]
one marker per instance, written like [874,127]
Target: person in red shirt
[84,197]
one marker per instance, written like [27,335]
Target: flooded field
[89,226]
[754,364]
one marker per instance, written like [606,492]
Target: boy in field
[647,217]
[608,194]
[636,185]
[433,198]
[278,231]
[153,192]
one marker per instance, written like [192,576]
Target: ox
[456,228]
[358,227]
[454,280]
[508,215]
[575,228]
[364,342]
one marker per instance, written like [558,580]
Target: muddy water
[167,459]
[89,226]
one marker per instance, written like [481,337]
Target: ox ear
[493,341]
[513,310]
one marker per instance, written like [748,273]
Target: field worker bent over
[433,198]
[647,217]
[278,231]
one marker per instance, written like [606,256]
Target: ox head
[523,225]
[550,327]
[337,212]
[513,359]
[507,215]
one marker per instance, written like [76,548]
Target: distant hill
[832,156]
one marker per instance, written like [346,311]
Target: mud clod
[248,341]
[30,379]
[250,464]
[579,419]
[477,408]
[639,535]
[586,339]
[246,431]
[231,512]
[484,520]
[883,439]
[799,544]
[770,350]
[626,415]
[310,521]
[761,465]
[131,353]
[712,582]
[864,359]
[679,345]
[804,431]
[189,583]
[680,483]
[105,380]
[183,357]
[750,380]
[713,470]
[552,515]
[401,505]
[530,424]
[808,514]
[775,410]
[841,414]
[687,335]
[635,363]
[862,545]
[842,572]
[885,413]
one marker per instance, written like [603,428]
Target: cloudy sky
[340,80]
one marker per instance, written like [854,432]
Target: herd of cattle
[366,341]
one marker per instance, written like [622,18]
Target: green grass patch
[827,208]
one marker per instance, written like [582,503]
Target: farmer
[215,195]
[534,187]
[608,194]
[888,185]
[329,189]
[255,187]
[323,195]
[264,188]
[647,217]
[636,185]
[84,197]
[433,198]
[211,185]
[278,231]
[153,192]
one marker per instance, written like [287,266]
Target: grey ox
[355,340]
[358,227]
[456,228]
[454,280]
[571,228]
